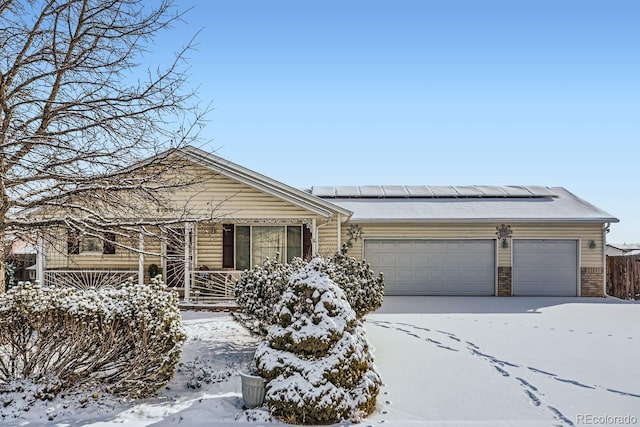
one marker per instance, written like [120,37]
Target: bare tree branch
[79,107]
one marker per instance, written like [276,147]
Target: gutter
[484,220]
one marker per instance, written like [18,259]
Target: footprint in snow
[532,398]
[623,393]
[502,371]
[527,384]
[539,371]
[574,383]
[560,416]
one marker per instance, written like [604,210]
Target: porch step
[221,306]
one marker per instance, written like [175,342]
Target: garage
[546,267]
[434,267]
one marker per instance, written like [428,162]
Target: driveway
[507,361]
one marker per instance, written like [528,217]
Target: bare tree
[79,107]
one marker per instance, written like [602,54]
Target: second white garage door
[545,267]
[434,267]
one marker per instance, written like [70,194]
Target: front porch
[201,260]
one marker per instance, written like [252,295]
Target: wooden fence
[623,276]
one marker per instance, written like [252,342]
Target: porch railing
[206,286]
[211,286]
[88,279]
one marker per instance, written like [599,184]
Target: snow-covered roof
[543,204]
[625,246]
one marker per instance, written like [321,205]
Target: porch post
[314,238]
[140,258]
[187,260]
[339,228]
[40,258]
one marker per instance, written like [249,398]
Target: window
[253,243]
[77,244]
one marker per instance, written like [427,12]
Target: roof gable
[262,183]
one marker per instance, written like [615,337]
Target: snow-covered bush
[316,359]
[364,291]
[260,288]
[126,340]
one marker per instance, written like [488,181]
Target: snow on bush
[316,358]
[260,288]
[364,291]
[126,340]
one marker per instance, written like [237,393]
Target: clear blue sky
[426,92]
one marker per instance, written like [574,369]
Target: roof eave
[485,220]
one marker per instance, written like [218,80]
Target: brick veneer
[591,282]
[504,281]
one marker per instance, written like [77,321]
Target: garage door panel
[545,267]
[434,267]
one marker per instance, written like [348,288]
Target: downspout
[339,227]
[605,230]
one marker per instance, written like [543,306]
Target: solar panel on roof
[425,191]
[468,191]
[395,191]
[371,191]
[443,191]
[324,191]
[418,191]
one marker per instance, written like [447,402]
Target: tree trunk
[3,270]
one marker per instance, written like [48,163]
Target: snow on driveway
[445,361]
[507,361]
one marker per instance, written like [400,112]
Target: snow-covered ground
[444,361]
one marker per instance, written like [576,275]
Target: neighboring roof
[625,246]
[263,183]
[464,204]
[633,253]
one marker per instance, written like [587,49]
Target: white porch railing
[206,286]
[88,279]
[211,286]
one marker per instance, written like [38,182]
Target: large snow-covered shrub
[363,290]
[260,288]
[316,358]
[126,340]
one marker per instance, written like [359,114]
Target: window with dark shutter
[109,243]
[227,246]
[306,243]
[73,242]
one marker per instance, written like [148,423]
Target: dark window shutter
[227,246]
[109,243]
[73,242]
[306,243]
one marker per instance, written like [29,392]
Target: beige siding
[220,197]
[209,246]
[584,232]
[123,259]
[328,238]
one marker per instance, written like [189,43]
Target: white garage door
[545,267]
[434,267]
